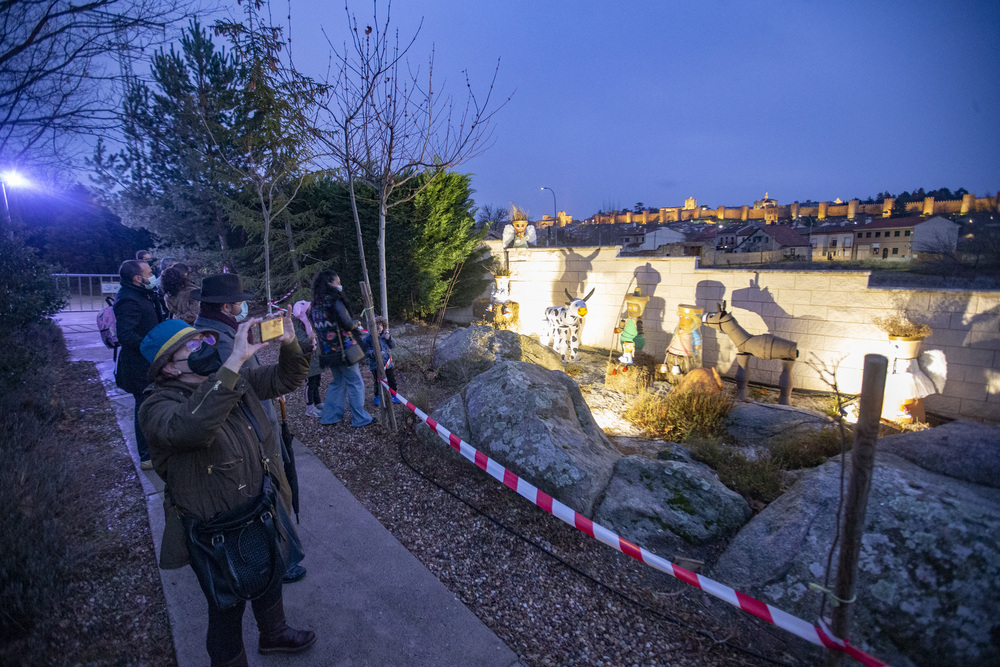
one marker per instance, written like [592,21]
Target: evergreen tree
[170,177]
[444,242]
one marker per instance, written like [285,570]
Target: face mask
[153,282]
[205,360]
[244,311]
[339,288]
[147,283]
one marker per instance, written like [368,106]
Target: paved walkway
[369,600]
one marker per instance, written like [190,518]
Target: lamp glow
[14,179]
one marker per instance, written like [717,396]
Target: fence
[87,291]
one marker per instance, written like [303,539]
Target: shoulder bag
[238,554]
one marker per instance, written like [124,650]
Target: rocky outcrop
[961,449]
[535,423]
[472,350]
[756,423]
[929,569]
[670,506]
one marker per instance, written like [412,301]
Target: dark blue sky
[622,102]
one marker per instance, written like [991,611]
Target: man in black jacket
[135,316]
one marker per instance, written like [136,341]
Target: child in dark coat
[386,342]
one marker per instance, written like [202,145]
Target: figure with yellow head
[519,234]
[629,329]
[684,351]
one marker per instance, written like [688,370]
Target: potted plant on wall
[912,376]
[904,333]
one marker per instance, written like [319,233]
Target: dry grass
[678,416]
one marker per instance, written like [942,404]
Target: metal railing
[87,291]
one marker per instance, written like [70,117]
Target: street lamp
[555,212]
[555,209]
[15,180]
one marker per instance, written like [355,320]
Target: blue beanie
[164,339]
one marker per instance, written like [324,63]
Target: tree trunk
[382,282]
[357,226]
[291,247]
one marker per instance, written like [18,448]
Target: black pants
[312,393]
[390,377]
[225,627]
[140,438]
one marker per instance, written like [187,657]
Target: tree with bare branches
[386,124]
[274,112]
[58,69]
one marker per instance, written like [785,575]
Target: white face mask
[154,282]
[244,311]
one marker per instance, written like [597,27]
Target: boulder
[535,423]
[669,506]
[701,379]
[470,351]
[929,569]
[960,449]
[755,423]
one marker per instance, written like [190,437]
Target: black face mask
[205,360]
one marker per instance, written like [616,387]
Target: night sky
[616,103]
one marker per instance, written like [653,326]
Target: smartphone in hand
[266,330]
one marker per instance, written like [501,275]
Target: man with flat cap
[223,307]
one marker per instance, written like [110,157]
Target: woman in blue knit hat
[214,447]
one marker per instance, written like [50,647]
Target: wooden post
[384,395]
[863,461]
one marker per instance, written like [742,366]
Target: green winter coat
[204,447]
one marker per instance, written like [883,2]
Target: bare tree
[274,112]
[57,68]
[388,126]
[493,217]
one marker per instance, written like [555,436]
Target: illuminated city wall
[850,210]
[828,314]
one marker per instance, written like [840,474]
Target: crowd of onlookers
[205,421]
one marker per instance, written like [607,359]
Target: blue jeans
[346,383]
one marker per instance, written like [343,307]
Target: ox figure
[762,346]
[562,327]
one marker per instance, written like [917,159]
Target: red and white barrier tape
[817,634]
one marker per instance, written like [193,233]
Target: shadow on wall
[971,345]
[575,270]
[647,279]
[774,318]
[709,294]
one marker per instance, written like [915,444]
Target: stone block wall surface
[828,314]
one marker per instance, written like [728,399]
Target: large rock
[929,570]
[470,351]
[756,423]
[670,506]
[535,423]
[960,449]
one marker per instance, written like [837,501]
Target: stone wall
[851,210]
[827,313]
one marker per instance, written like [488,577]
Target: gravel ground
[554,595]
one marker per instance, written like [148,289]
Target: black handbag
[350,354]
[237,554]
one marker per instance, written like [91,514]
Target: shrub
[678,416]
[809,451]
[34,559]
[759,480]
[29,294]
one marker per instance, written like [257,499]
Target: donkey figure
[762,346]
[563,324]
